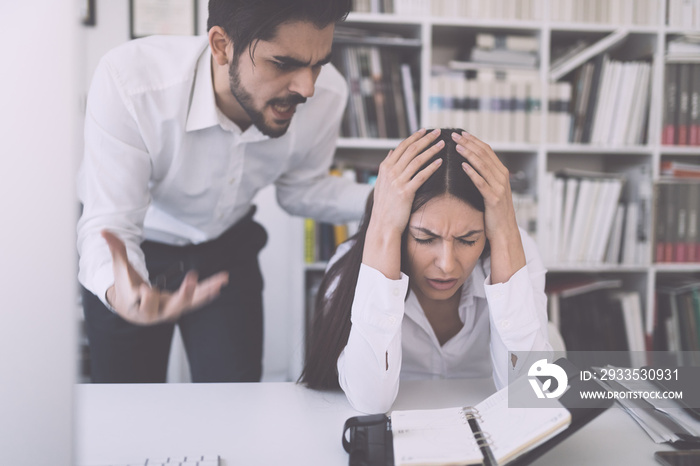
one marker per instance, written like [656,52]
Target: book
[668,133]
[409,97]
[467,435]
[586,54]
[640,107]
[585,206]
[489,41]
[559,116]
[633,315]
[677,169]
[503,57]
[694,123]
[693,228]
[677,225]
[582,90]
[604,219]
[310,240]
[660,227]
[684,84]
[570,198]
[600,63]
[612,252]
[557,205]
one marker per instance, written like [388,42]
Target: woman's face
[444,242]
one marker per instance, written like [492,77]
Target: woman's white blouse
[391,337]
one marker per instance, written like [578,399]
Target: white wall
[283,291]
[37,240]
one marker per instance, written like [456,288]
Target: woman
[442,228]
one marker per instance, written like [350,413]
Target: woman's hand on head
[492,179]
[400,177]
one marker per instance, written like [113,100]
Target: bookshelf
[442,33]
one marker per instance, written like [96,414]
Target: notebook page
[433,437]
[513,431]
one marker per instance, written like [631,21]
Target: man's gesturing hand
[136,301]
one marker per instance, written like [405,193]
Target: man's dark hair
[248,21]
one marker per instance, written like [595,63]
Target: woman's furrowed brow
[471,233]
[423,230]
[431,233]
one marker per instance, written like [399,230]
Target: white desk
[284,423]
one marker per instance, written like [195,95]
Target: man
[180,134]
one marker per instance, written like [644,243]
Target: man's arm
[112,182]
[113,186]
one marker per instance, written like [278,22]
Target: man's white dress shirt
[163,163]
[391,337]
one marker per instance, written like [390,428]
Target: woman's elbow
[371,404]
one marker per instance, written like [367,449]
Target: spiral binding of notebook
[483,439]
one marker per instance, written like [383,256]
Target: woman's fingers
[395,154]
[415,149]
[421,177]
[482,158]
[415,164]
[477,145]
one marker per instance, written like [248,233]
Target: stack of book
[596,218]
[506,50]
[584,217]
[610,103]
[676,322]
[640,12]
[677,226]
[487,9]
[609,99]
[559,115]
[684,14]
[382,101]
[495,94]
[596,314]
[524,10]
[681,108]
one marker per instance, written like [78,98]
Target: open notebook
[489,432]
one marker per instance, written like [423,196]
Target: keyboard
[200,460]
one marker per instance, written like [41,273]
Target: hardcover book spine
[668,135]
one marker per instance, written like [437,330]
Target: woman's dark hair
[330,326]
[248,21]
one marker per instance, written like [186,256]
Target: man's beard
[245,99]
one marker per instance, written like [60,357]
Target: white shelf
[597,149]
[506,25]
[681,150]
[367,143]
[602,27]
[677,267]
[387,144]
[596,268]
